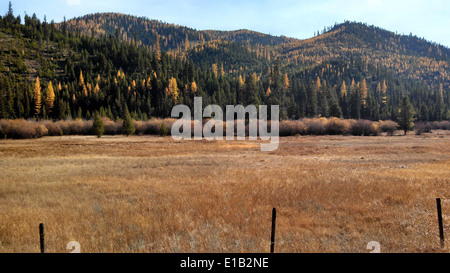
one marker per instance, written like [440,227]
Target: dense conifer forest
[114,64]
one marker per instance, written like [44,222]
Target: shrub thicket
[20,128]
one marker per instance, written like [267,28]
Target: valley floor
[153,194]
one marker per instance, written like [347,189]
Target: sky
[293,18]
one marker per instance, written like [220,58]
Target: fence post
[441,224]
[272,237]
[41,237]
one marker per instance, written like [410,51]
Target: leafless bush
[336,126]
[363,128]
[445,125]
[315,126]
[53,128]
[41,130]
[2,125]
[440,125]
[112,127]
[21,128]
[388,126]
[150,127]
[292,128]
[75,127]
[422,127]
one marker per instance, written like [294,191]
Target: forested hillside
[407,56]
[114,64]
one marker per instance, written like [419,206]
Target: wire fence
[75,246]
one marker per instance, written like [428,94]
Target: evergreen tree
[163,130]
[311,105]
[250,96]
[128,127]
[406,115]
[98,127]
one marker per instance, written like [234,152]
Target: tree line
[73,75]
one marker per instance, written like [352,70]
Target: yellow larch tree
[186,43]
[286,81]
[81,79]
[364,92]
[157,49]
[173,90]
[343,89]
[37,97]
[318,85]
[215,70]
[193,88]
[222,72]
[241,82]
[50,100]
[85,91]
[96,88]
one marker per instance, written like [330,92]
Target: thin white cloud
[73,2]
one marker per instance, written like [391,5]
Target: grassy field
[152,194]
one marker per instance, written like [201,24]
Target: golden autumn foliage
[194,88]
[286,81]
[343,89]
[215,70]
[157,49]
[172,90]
[96,88]
[85,91]
[240,82]
[363,92]
[318,85]
[81,79]
[49,101]
[37,97]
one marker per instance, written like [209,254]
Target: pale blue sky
[299,19]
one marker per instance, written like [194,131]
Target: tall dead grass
[140,194]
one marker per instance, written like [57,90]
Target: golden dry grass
[152,194]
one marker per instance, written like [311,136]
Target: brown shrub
[53,128]
[422,127]
[2,125]
[337,126]
[137,125]
[112,127]
[440,125]
[150,127]
[315,126]
[292,128]
[445,125]
[20,128]
[388,126]
[363,127]
[75,127]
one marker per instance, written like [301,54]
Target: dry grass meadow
[153,194]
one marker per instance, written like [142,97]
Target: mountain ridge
[110,62]
[409,56]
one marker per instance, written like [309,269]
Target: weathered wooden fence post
[272,237]
[441,224]
[41,237]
